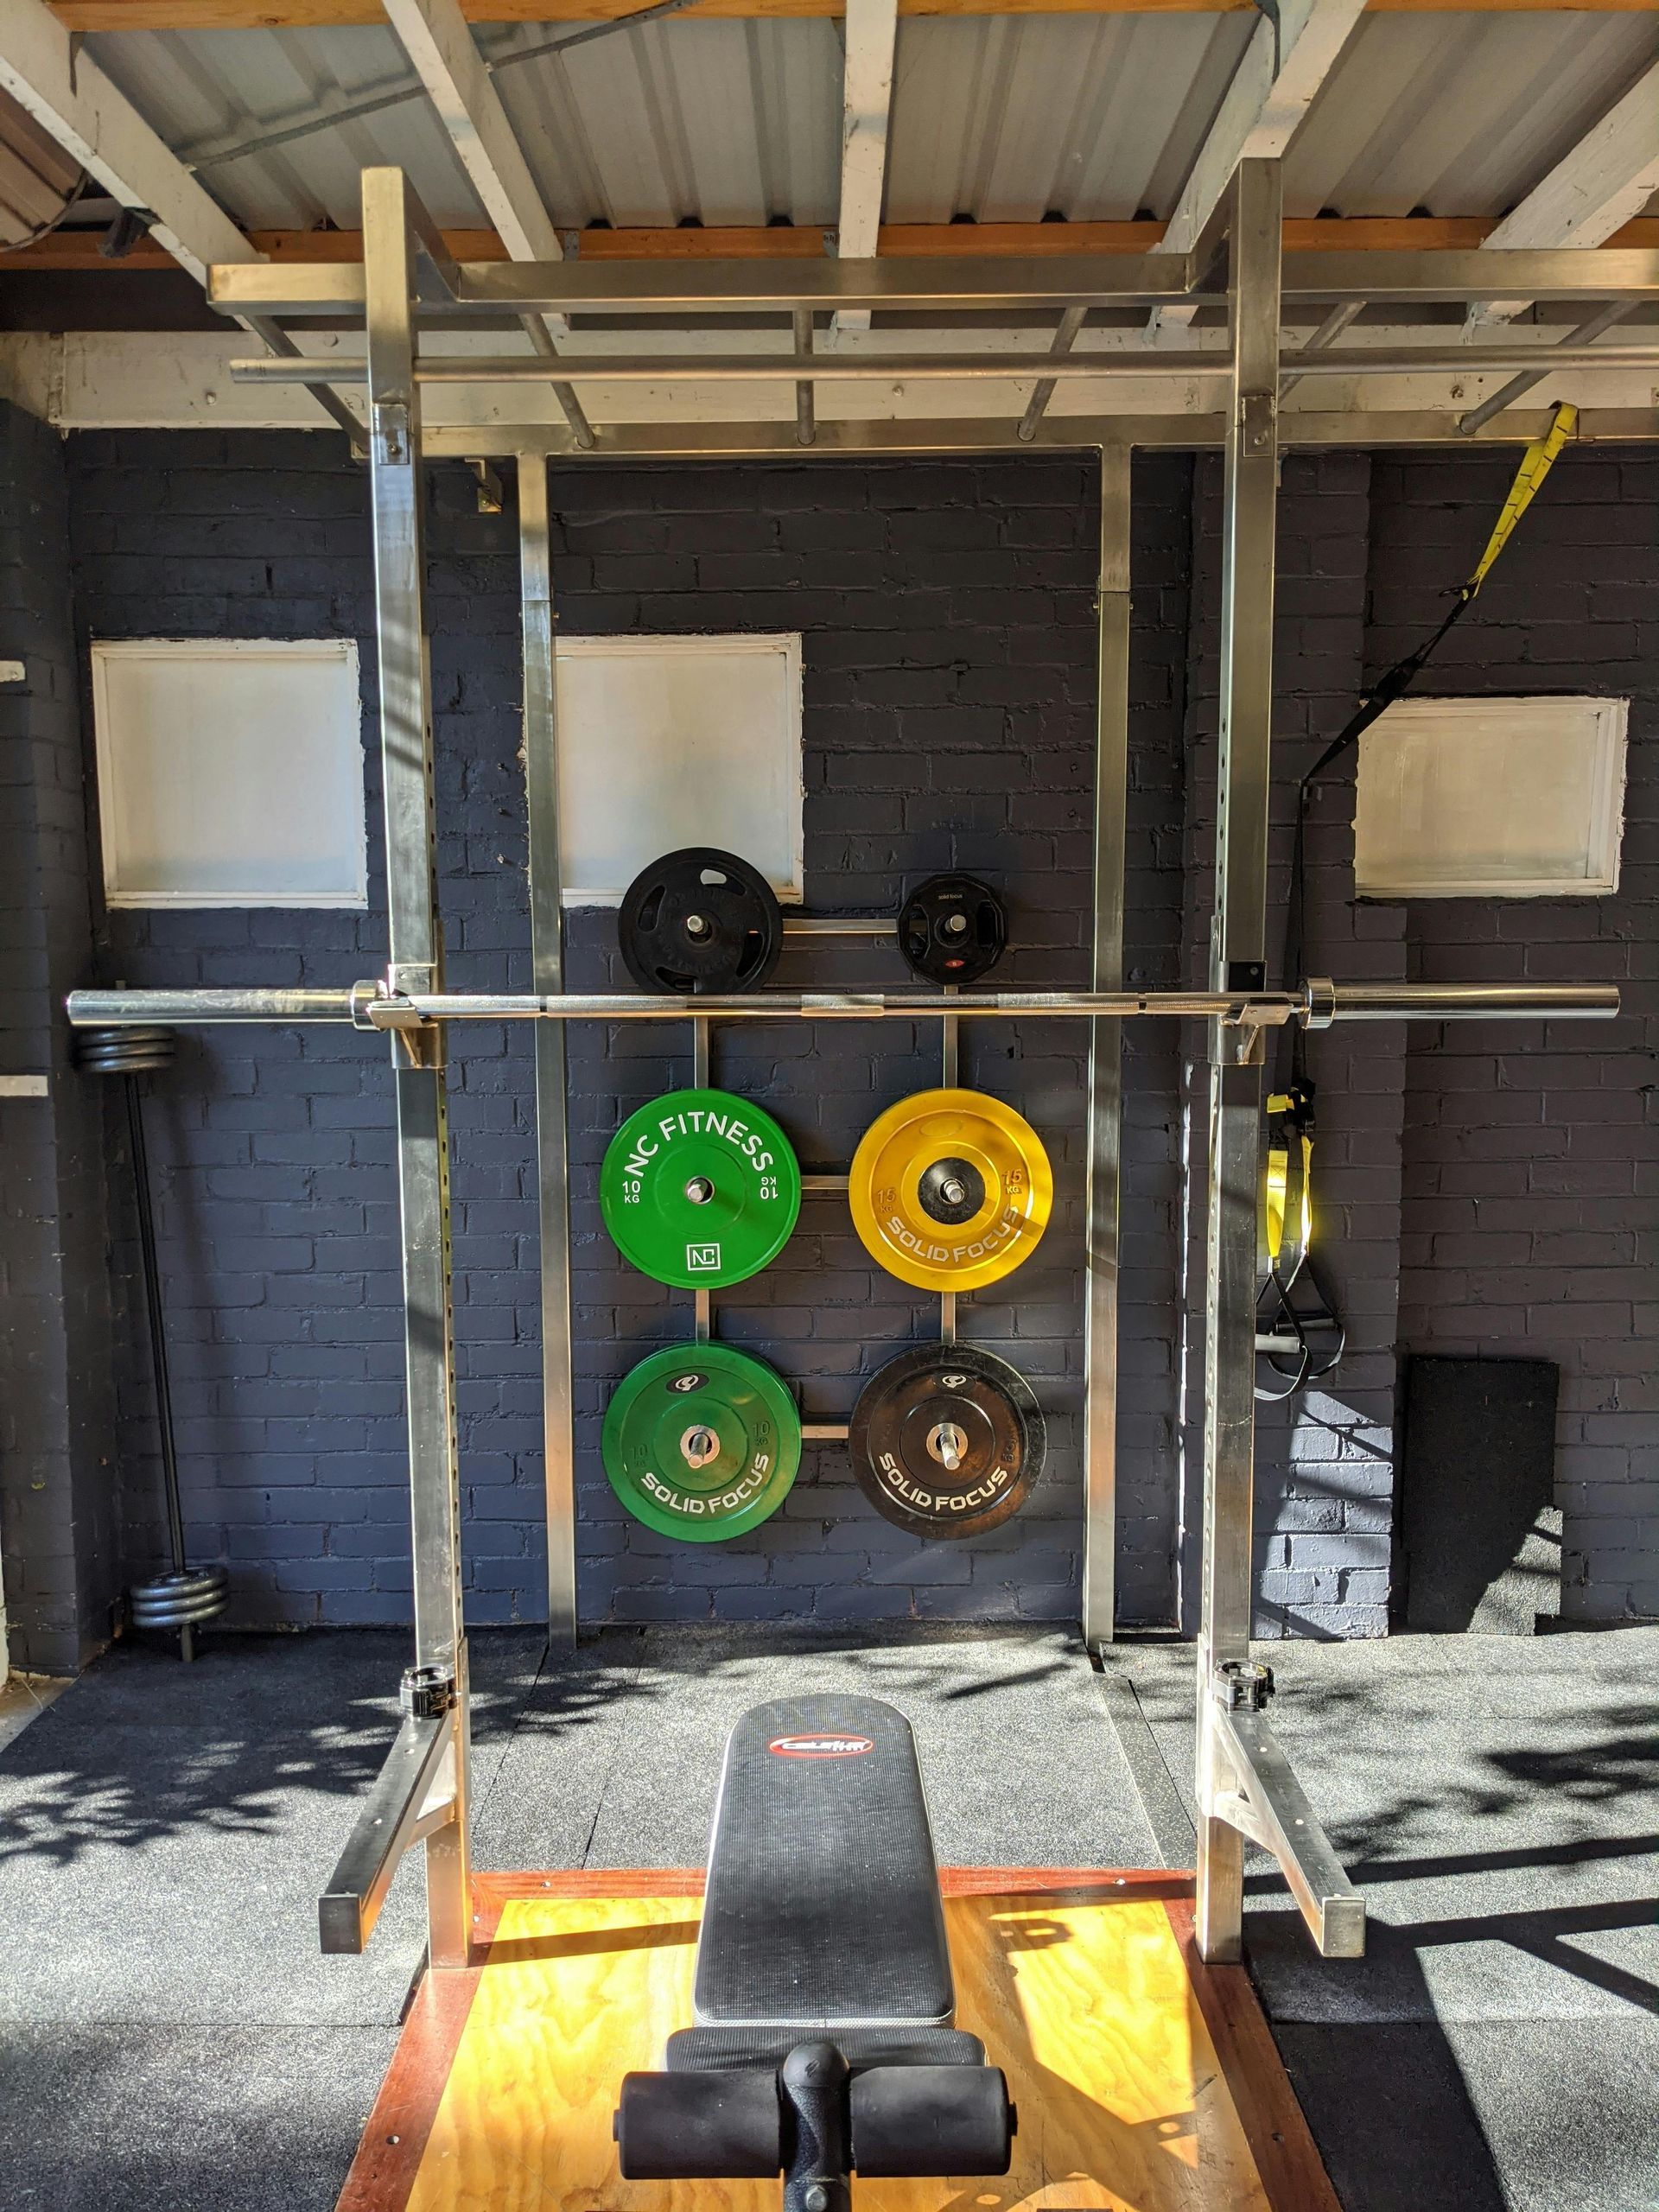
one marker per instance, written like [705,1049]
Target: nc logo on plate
[702,1257]
[820,1747]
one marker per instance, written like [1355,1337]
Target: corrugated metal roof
[1003,118]
[206,91]
[1008,118]
[731,122]
[1458,114]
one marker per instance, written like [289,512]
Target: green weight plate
[701,1441]
[700,1189]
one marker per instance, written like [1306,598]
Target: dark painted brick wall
[1532,1157]
[947,618]
[950,684]
[56,1409]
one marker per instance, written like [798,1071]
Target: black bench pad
[823,1910]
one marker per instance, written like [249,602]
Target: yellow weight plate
[950,1189]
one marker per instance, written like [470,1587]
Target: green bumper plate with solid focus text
[700,1189]
[701,1441]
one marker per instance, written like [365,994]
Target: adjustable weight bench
[823,2043]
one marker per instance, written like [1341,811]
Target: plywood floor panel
[1083,1988]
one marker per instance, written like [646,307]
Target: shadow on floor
[146,1748]
[1497,1803]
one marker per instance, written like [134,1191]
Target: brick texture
[1531,1154]
[56,1407]
[947,612]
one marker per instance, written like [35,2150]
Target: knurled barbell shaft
[1318,1001]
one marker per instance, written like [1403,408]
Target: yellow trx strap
[1289,1130]
[1535,464]
[1290,1112]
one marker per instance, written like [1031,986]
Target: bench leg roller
[700,2127]
[817,2122]
[931,2120]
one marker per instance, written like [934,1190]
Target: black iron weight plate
[952,929]
[700,920]
[947,1440]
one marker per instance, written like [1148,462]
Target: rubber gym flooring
[171,2040]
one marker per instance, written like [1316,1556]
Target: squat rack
[1246,1789]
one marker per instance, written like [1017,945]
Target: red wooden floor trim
[955,1881]
[1287,2157]
[591,1882]
[1029,1881]
[389,2157]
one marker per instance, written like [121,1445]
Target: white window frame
[1607,720]
[351,893]
[726,642]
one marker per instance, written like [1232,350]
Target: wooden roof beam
[1606,180]
[77,250]
[866,103]
[444,55]
[71,98]
[1283,66]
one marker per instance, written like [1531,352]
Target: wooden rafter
[78,107]
[69,98]
[867,102]
[1279,76]
[78,250]
[1595,187]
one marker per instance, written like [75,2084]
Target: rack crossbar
[1112,364]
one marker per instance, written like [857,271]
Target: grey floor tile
[538,1806]
[1496,1800]
[1571,2113]
[167,1875]
[1021,1764]
[183,2119]
[1483,2116]
[165,1830]
[1393,2119]
[252,1681]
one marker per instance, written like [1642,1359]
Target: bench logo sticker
[820,1747]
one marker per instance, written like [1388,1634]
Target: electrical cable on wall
[1297,1329]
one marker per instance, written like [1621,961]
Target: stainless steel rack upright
[1246,1790]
